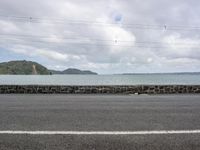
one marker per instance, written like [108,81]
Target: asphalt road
[99,113]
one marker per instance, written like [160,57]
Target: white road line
[101,132]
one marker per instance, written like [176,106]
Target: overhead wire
[96,23]
[88,40]
[91,40]
[134,45]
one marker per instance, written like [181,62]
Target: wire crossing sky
[107,36]
[84,22]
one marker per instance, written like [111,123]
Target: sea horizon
[130,79]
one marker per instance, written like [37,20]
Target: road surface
[159,122]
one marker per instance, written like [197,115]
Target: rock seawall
[111,89]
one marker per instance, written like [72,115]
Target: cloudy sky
[106,36]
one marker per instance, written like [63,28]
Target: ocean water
[186,79]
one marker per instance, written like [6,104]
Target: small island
[73,71]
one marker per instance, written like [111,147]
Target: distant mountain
[73,71]
[23,68]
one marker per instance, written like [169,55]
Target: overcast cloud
[106,36]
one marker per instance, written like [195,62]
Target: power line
[89,39]
[95,23]
[62,38]
[95,44]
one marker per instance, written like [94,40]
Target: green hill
[74,71]
[23,68]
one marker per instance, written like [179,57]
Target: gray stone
[112,89]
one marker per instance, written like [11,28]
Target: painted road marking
[101,132]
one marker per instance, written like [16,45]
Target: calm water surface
[100,79]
